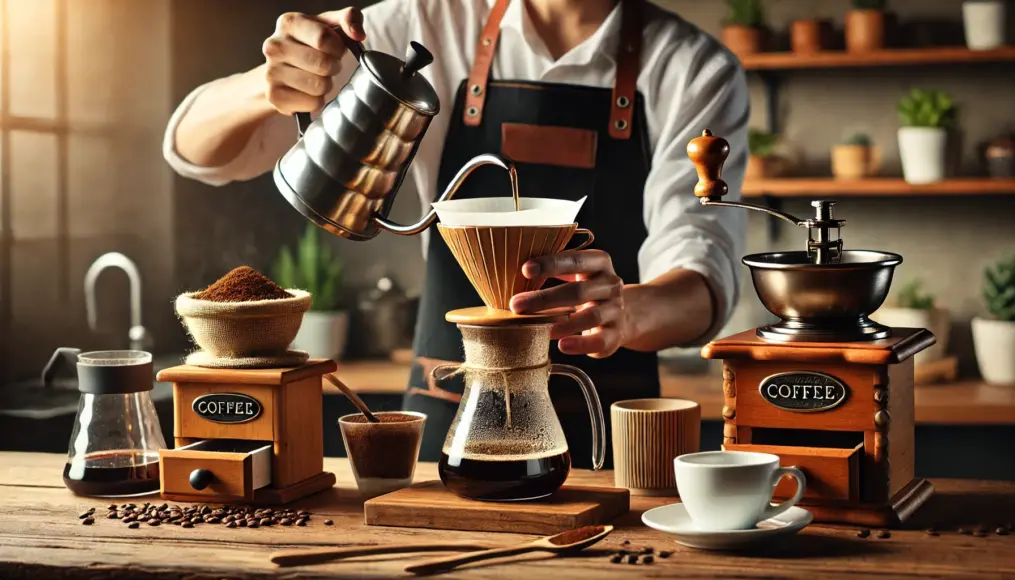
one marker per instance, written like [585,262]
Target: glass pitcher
[505,442]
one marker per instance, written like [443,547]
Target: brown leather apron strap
[480,73]
[625,84]
[628,65]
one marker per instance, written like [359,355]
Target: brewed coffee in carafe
[505,442]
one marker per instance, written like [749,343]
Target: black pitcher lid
[402,78]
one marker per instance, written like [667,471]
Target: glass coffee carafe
[114,447]
[505,442]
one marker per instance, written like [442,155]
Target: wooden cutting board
[430,505]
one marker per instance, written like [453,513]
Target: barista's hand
[302,56]
[600,326]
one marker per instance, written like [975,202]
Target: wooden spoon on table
[322,555]
[569,541]
[352,397]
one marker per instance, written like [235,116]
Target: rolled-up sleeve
[711,94]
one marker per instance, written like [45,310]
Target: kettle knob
[416,58]
[201,478]
[709,153]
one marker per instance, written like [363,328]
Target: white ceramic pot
[924,152]
[994,341]
[936,320]
[984,23]
[323,334]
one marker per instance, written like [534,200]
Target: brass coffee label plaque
[227,407]
[804,392]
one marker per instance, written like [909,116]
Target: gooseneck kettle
[345,169]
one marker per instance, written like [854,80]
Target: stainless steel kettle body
[348,164]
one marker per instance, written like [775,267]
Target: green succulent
[858,139]
[999,289]
[761,143]
[314,268]
[745,13]
[927,108]
[869,4]
[912,295]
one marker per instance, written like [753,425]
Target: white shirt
[688,80]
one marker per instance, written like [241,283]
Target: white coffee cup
[732,490]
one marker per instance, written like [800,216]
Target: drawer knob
[201,478]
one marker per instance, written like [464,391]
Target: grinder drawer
[217,467]
[831,473]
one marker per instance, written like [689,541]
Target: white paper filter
[500,211]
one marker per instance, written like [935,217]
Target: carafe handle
[355,47]
[595,410]
[477,161]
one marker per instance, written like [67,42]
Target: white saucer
[673,519]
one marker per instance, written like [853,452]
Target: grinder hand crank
[709,153]
[345,169]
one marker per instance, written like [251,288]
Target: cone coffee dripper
[491,240]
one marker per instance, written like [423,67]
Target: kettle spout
[478,161]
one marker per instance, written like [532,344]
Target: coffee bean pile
[645,555]
[154,515]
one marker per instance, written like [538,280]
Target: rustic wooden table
[41,537]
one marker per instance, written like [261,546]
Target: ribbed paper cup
[647,435]
[492,256]
[243,329]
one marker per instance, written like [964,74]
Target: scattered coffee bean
[211,520]
[329,523]
[89,520]
[932,532]
[240,523]
[186,525]
[111,506]
[111,516]
[964,531]
[665,554]
[286,522]
[133,525]
[154,522]
[863,533]
[648,550]
[1001,531]
[626,542]
[301,522]
[617,559]
[648,559]
[231,525]
[884,534]
[632,559]
[265,522]
[253,525]
[303,513]
[84,515]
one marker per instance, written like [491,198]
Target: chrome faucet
[137,334]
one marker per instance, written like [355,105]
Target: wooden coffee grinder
[826,389]
[246,436]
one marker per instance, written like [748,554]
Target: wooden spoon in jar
[352,397]
[569,541]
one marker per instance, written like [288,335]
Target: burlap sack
[290,358]
[259,328]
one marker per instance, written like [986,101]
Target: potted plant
[743,31]
[984,22]
[865,26]
[855,158]
[317,270]
[994,337]
[809,36]
[761,162]
[923,139]
[914,307]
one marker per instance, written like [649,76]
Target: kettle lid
[402,79]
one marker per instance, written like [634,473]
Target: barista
[594,98]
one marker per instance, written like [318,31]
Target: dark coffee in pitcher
[500,473]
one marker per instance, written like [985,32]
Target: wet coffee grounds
[242,284]
[188,516]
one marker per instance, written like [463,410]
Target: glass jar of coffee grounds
[114,447]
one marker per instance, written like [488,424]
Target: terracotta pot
[743,40]
[865,30]
[759,167]
[807,36]
[855,161]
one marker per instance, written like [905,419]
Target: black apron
[567,141]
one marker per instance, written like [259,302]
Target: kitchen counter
[41,537]
[968,402]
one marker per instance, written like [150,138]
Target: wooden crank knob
[709,153]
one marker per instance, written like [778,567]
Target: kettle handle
[303,120]
[477,161]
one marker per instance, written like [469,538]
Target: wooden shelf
[771,61]
[966,402]
[886,186]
